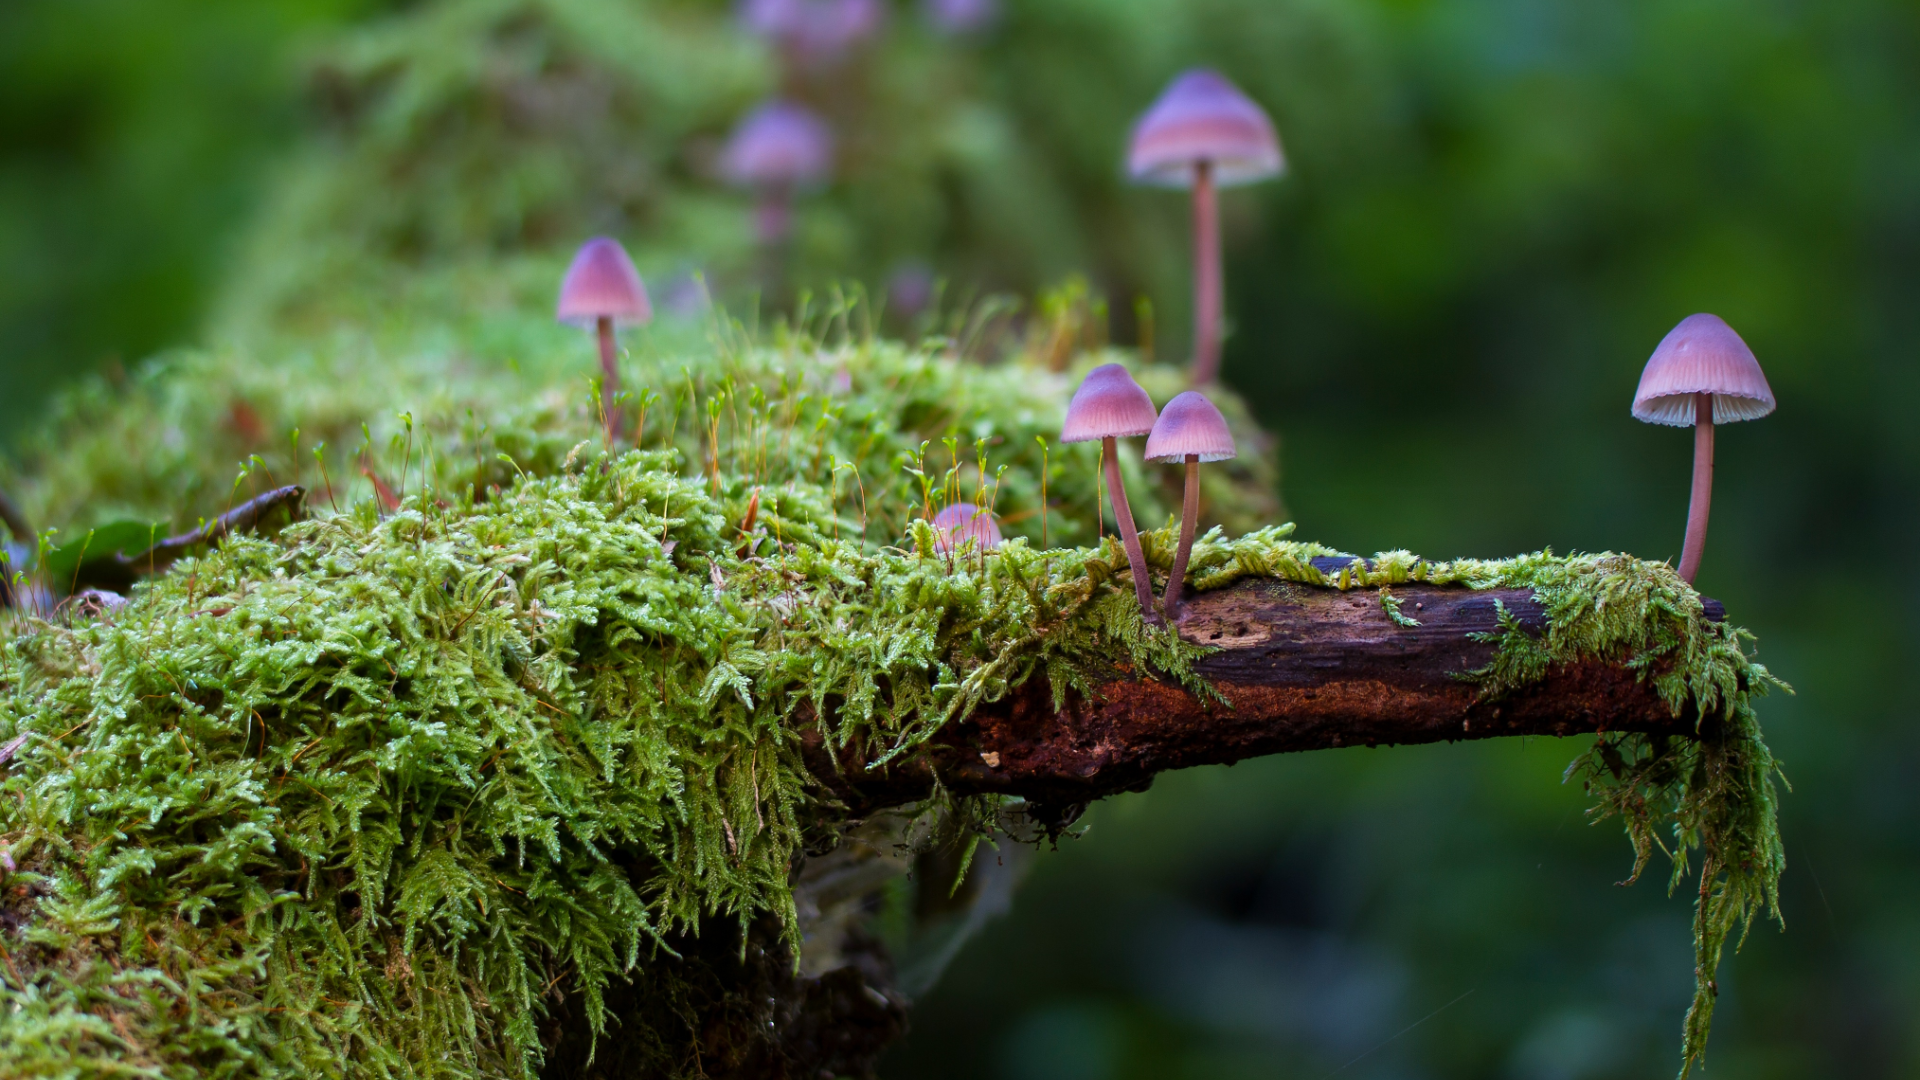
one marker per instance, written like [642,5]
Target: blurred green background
[1496,208]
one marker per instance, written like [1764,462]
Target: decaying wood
[1302,668]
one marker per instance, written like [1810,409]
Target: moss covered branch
[465,787]
[1290,667]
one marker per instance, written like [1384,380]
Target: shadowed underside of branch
[1300,668]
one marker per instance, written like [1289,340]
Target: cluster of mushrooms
[1110,406]
[782,148]
[1203,133]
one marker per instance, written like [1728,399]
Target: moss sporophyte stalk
[374,795]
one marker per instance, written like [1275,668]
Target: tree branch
[248,514]
[117,573]
[1303,667]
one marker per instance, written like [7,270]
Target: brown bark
[1302,667]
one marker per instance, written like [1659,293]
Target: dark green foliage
[1716,792]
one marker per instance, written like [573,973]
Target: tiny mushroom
[602,289]
[813,33]
[1204,133]
[1701,374]
[778,149]
[957,17]
[1109,405]
[964,523]
[1190,429]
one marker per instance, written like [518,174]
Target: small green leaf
[98,545]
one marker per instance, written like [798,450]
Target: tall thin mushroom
[812,35]
[1190,429]
[1701,374]
[777,150]
[1203,133]
[1109,406]
[603,289]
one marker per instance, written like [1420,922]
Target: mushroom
[1204,133]
[813,33]
[954,526]
[954,18]
[601,289]
[1109,405]
[779,148]
[1190,429]
[1701,374]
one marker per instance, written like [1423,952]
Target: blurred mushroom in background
[602,288]
[777,151]
[956,18]
[1203,134]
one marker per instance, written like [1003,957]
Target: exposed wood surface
[1303,668]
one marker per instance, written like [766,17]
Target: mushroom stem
[1189,513]
[1696,542]
[1206,276]
[772,216]
[1129,536]
[772,228]
[609,378]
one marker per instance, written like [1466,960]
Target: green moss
[359,799]
[438,404]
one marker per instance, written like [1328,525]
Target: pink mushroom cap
[1190,425]
[602,284]
[961,16]
[1702,355]
[961,522]
[817,30]
[779,144]
[1204,117]
[1108,404]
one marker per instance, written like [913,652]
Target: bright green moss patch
[365,791]
[825,403]
[368,797]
